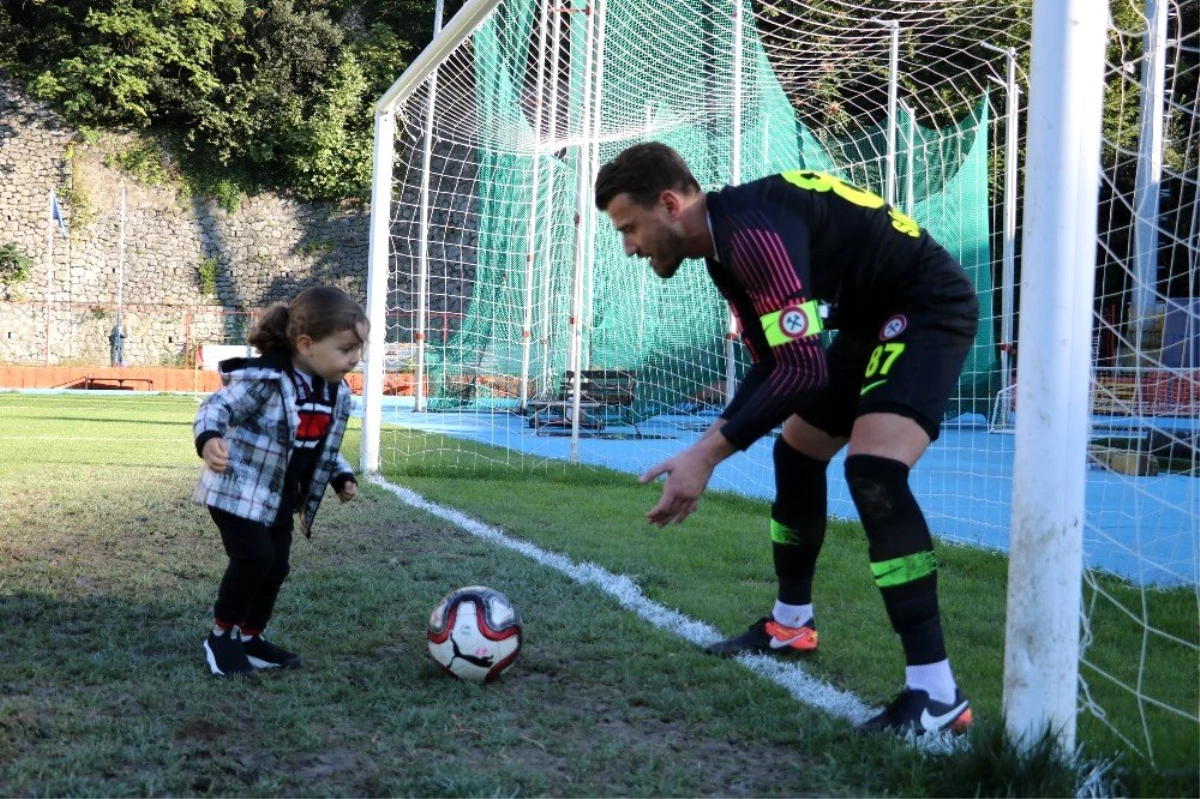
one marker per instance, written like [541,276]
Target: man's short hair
[644,171]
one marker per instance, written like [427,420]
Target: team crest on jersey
[793,321]
[893,327]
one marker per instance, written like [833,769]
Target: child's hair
[316,312]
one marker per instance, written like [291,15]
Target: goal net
[503,283]
[527,108]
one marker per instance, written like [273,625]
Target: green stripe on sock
[899,571]
[781,534]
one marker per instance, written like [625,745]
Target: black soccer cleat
[768,636]
[263,654]
[912,711]
[225,653]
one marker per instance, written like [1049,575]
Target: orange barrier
[1152,393]
[149,378]
[127,378]
[394,385]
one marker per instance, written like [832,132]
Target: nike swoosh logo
[932,723]
[870,386]
[777,644]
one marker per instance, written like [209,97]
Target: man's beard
[667,255]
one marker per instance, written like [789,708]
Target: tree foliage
[15,265]
[269,92]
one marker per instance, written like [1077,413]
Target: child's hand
[349,491]
[216,454]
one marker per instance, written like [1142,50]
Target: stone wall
[265,251]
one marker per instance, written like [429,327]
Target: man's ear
[672,202]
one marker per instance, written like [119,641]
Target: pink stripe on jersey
[765,279]
[763,266]
[769,277]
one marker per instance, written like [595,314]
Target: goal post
[1041,665]
[379,257]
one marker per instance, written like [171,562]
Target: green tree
[14,265]
[331,156]
[268,81]
[273,93]
[116,62]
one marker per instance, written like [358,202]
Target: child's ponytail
[270,334]
[316,312]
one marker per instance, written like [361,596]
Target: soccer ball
[474,633]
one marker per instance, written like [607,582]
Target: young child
[270,439]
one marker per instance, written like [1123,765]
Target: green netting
[671,333]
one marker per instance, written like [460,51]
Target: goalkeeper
[794,254]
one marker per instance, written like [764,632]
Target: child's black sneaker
[265,655]
[225,653]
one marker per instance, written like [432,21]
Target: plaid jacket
[255,412]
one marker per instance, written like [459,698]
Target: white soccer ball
[474,633]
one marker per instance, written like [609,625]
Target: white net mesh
[919,101]
[1144,493]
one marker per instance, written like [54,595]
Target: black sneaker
[913,711]
[769,636]
[265,655]
[225,653]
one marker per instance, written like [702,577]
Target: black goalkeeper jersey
[799,252]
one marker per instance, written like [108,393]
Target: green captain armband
[799,320]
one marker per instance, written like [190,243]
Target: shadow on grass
[48,643]
[126,422]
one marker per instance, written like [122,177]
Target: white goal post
[469,17]
[1041,660]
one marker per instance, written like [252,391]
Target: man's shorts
[908,364]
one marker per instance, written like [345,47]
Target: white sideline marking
[802,686]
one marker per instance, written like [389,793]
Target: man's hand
[216,455]
[349,491]
[688,474]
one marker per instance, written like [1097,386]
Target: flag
[56,214]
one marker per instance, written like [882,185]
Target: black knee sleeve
[797,521]
[901,552]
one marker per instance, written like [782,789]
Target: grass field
[107,576]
